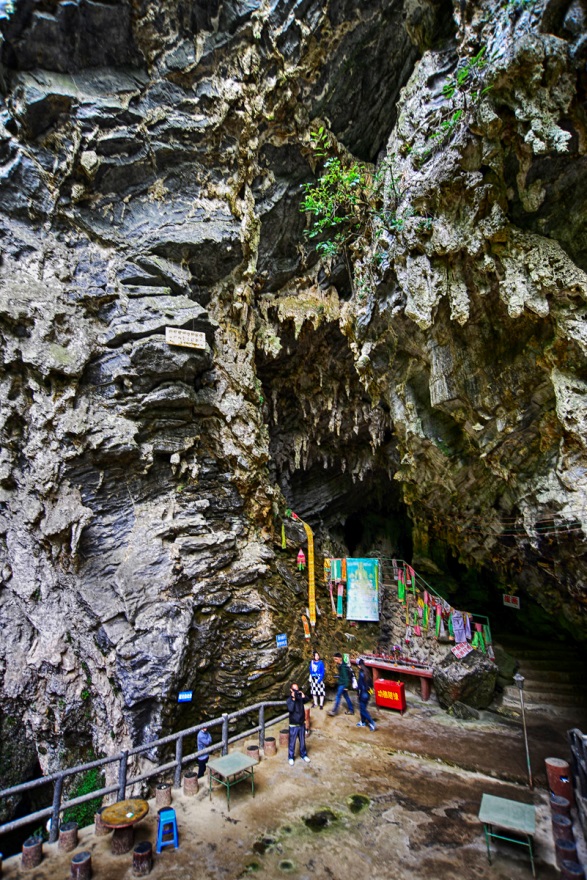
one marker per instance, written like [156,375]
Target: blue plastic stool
[167,826]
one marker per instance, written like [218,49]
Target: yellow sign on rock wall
[185,338]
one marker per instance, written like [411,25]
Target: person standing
[342,687]
[317,686]
[297,724]
[364,686]
[204,739]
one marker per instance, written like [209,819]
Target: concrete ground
[400,802]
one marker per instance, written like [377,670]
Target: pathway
[422,777]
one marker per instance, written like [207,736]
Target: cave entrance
[389,532]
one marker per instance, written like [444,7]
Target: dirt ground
[400,802]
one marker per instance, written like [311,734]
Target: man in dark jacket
[342,688]
[297,724]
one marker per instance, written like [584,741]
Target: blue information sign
[184,697]
[281,640]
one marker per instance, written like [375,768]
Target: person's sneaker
[306,759]
[332,714]
[291,762]
[321,707]
[348,712]
[372,727]
[361,724]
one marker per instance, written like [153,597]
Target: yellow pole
[311,581]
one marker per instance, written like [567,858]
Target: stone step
[537,685]
[553,676]
[511,696]
[548,663]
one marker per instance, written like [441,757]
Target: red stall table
[390,694]
[381,664]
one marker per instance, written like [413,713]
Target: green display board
[362,589]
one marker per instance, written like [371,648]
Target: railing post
[178,758]
[262,727]
[224,733]
[122,776]
[57,789]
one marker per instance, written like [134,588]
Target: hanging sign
[462,649]
[281,640]
[185,696]
[362,601]
[185,338]
[511,601]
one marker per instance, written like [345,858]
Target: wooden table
[122,817]
[496,812]
[231,769]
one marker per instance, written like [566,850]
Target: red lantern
[301,560]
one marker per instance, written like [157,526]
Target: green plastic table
[231,769]
[508,816]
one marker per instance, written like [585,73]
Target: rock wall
[151,164]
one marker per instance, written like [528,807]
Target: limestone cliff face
[152,157]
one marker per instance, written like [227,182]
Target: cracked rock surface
[151,158]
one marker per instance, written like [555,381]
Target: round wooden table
[122,817]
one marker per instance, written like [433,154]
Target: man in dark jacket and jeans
[344,681]
[297,724]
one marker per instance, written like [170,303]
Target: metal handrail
[58,777]
[431,589]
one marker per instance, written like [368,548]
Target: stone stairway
[555,677]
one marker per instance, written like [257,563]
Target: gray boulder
[470,681]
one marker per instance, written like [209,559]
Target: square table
[231,769]
[510,816]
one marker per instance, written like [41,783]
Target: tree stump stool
[253,752]
[558,773]
[142,859]
[562,827]
[571,870]
[190,783]
[81,866]
[32,852]
[100,830]
[270,747]
[284,738]
[565,850]
[162,796]
[122,840]
[68,836]
[560,805]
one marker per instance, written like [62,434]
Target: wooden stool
[562,827]
[162,796]
[284,738]
[190,783]
[122,840]
[68,836]
[558,774]
[559,804]
[565,850]
[81,866]
[142,859]
[270,747]
[571,870]
[100,830]
[32,852]
[253,752]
